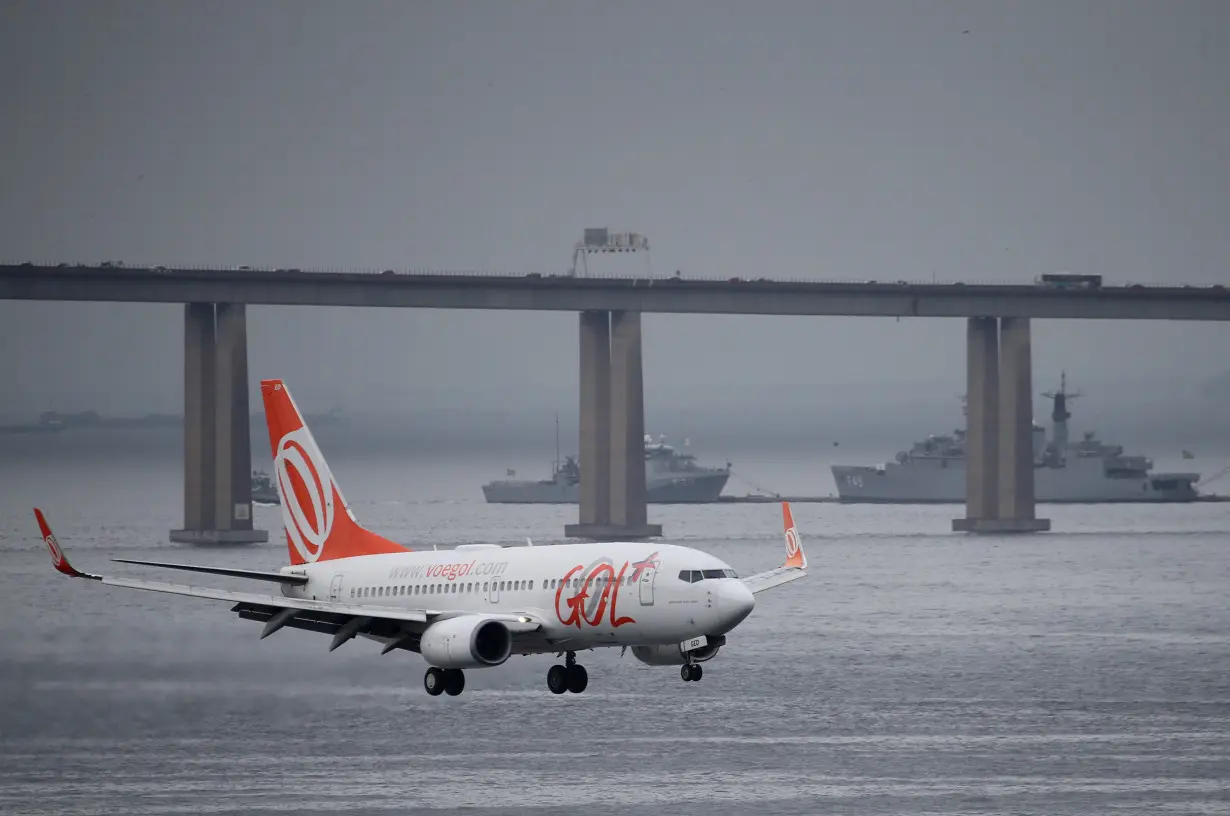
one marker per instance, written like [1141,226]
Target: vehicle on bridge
[1068,281]
[474,606]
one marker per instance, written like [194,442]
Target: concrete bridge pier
[999,469]
[217,445]
[613,502]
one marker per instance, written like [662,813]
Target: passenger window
[485,586]
[531,585]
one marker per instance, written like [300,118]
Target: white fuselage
[621,594]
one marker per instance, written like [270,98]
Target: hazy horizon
[873,141]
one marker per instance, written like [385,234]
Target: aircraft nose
[735,602]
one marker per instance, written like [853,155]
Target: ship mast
[1059,415]
[555,467]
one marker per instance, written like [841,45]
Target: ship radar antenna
[1059,415]
[1061,397]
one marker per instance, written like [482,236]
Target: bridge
[217,466]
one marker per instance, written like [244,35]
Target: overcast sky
[976,141]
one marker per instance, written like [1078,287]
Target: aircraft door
[493,594]
[645,586]
[335,587]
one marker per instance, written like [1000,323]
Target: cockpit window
[692,576]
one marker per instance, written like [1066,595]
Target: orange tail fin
[319,523]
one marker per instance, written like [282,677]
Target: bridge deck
[565,293]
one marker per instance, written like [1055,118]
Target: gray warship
[1087,471]
[263,489]
[671,477]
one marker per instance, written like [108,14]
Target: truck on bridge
[1064,280]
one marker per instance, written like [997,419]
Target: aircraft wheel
[685,672]
[697,672]
[578,678]
[433,681]
[557,679]
[454,682]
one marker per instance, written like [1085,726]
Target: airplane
[474,606]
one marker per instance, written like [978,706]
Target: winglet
[58,559]
[795,557]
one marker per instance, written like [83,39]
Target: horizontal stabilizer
[256,575]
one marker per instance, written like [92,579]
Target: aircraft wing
[276,577]
[773,578]
[398,627]
[796,560]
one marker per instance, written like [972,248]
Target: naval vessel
[671,477]
[1087,471]
[264,491]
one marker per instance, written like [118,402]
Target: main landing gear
[691,672]
[450,681]
[569,677]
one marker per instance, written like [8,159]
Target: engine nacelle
[673,655]
[466,642]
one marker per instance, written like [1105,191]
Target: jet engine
[672,655]
[466,642]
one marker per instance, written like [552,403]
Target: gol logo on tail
[314,486]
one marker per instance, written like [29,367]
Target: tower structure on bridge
[217,438]
[603,241]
